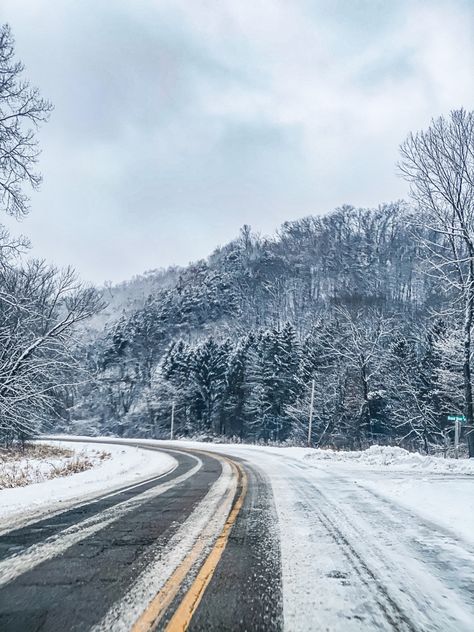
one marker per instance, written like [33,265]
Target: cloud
[178,121]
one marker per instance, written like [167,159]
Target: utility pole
[457,427]
[172,421]
[311,409]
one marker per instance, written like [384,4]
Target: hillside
[128,296]
[236,341]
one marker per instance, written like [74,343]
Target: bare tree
[40,308]
[412,378]
[439,165]
[359,352]
[21,111]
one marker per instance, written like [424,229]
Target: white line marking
[68,505]
[16,565]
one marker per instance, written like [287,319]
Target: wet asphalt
[75,589]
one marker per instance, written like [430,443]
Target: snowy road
[257,539]
[355,560]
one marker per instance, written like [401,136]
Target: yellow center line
[188,606]
[183,614]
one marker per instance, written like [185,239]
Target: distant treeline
[344,299]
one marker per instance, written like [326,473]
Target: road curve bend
[195,549]
[239,538]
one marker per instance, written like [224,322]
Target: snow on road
[439,490]
[380,540]
[126,466]
[366,562]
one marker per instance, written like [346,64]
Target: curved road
[248,539]
[134,559]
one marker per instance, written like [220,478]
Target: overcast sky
[177,121]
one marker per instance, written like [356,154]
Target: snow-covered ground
[41,462]
[126,465]
[438,489]
[381,539]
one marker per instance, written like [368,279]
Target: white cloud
[178,121]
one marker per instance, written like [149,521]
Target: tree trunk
[468,317]
[366,413]
[425,439]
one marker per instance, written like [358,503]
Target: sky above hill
[178,121]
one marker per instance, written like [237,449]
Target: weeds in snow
[39,462]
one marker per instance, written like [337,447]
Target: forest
[234,344]
[360,318]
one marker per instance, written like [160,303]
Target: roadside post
[456,438]
[311,408]
[458,420]
[172,421]
[445,443]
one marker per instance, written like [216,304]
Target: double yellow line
[190,602]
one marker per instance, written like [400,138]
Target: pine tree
[207,372]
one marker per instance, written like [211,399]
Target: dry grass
[79,463]
[34,451]
[39,462]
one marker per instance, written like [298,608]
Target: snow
[379,527]
[383,458]
[17,472]
[127,465]
[377,458]
[32,556]
[437,489]
[384,531]
[393,458]
[442,500]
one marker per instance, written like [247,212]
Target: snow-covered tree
[22,109]
[439,164]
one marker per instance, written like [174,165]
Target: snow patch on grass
[39,462]
[126,466]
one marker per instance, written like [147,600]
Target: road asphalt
[75,587]
[240,538]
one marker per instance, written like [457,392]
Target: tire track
[394,576]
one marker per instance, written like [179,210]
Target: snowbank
[386,458]
[127,465]
[394,459]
